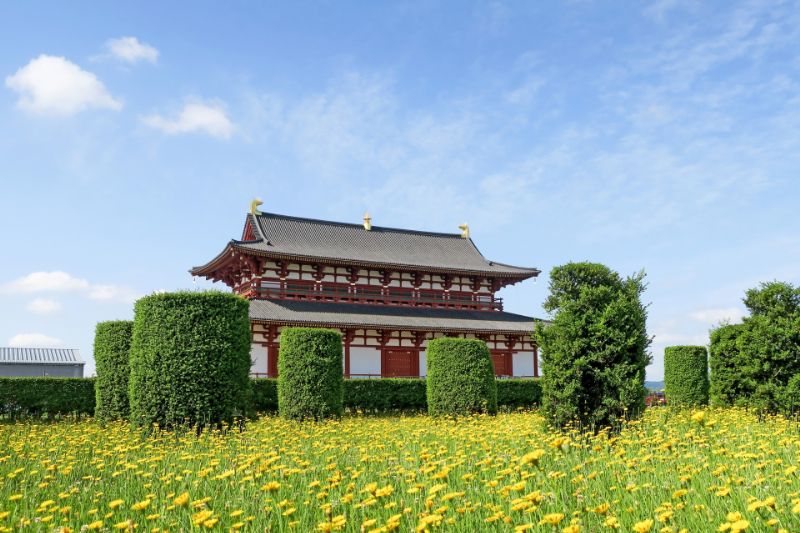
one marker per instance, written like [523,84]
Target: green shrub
[729,383]
[686,375]
[594,352]
[112,342]
[310,373]
[391,394]
[190,358]
[515,393]
[37,396]
[460,377]
[264,396]
[385,394]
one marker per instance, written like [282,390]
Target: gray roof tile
[321,240]
[51,356]
[384,316]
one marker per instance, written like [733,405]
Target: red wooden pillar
[536,361]
[347,337]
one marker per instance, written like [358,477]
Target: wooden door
[502,364]
[272,361]
[401,363]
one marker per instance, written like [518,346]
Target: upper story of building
[282,257]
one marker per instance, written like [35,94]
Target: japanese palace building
[388,291]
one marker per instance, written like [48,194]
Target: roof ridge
[349,224]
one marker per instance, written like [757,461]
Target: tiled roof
[322,240]
[310,313]
[50,356]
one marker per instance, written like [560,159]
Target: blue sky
[660,135]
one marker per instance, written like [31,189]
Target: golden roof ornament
[254,206]
[367,221]
[464,230]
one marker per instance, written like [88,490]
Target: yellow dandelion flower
[644,526]
[272,486]
[551,519]
[698,417]
[288,512]
[236,513]
[602,508]
[140,506]
[724,491]
[183,499]
[122,525]
[739,525]
[153,516]
[15,497]
[679,493]
[95,525]
[532,457]
[116,503]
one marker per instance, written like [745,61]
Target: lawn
[666,472]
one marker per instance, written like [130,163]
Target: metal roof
[310,313]
[50,356]
[336,241]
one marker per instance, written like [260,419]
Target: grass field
[666,472]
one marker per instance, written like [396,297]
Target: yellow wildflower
[644,526]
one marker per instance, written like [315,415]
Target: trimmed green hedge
[112,344]
[392,394]
[68,395]
[516,393]
[385,394]
[310,373]
[37,396]
[460,377]
[190,358]
[686,375]
[730,382]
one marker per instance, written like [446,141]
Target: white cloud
[195,117]
[45,281]
[131,50]
[33,340]
[62,282]
[525,93]
[56,86]
[113,292]
[713,316]
[45,307]
[679,339]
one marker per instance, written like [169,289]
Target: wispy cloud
[41,306]
[59,281]
[129,49]
[714,316]
[196,117]
[33,340]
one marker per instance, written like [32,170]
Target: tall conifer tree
[595,351]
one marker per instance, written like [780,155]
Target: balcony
[361,294]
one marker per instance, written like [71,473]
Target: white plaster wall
[258,354]
[423,363]
[523,363]
[365,360]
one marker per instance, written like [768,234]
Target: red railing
[337,292]
[378,376]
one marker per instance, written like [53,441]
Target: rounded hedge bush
[460,377]
[686,375]
[190,358]
[310,373]
[112,344]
